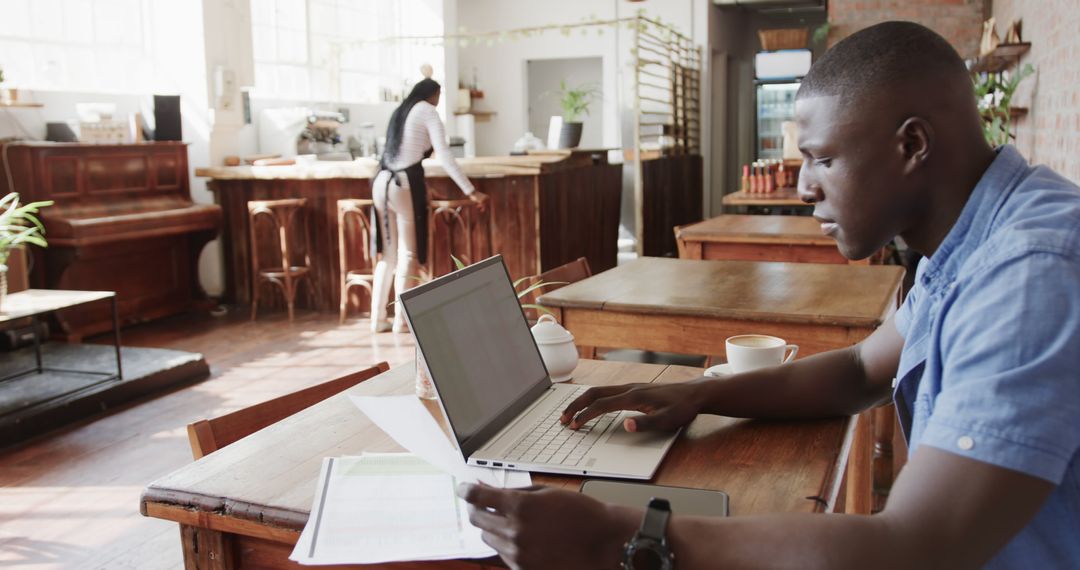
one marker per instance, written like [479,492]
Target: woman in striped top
[400,196]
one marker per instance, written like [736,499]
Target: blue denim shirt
[990,368]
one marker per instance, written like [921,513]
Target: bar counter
[545,209]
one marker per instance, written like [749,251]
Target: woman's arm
[437,134]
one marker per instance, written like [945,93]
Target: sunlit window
[79,45]
[329,50]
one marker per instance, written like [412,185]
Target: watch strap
[654,524]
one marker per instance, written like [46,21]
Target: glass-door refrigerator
[775,105]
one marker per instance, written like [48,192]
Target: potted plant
[994,93]
[575,103]
[18,225]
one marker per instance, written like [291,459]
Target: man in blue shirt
[985,350]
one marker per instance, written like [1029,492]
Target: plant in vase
[575,104]
[424,387]
[18,225]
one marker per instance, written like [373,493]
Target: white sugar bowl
[557,348]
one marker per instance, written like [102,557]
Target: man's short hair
[882,57]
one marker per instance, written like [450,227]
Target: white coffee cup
[748,352]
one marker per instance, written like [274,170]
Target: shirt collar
[975,220]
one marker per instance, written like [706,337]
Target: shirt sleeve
[437,133]
[1010,346]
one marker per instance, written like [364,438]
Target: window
[316,50]
[80,45]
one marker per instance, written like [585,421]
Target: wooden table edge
[220,522]
[778,239]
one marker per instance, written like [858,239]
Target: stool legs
[282,215]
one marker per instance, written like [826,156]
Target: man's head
[885,116]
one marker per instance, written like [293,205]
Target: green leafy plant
[520,294]
[575,101]
[820,34]
[19,225]
[459,265]
[994,93]
[1,74]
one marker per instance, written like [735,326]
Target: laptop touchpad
[619,436]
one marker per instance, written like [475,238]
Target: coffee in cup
[748,352]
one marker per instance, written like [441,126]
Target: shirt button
[965,443]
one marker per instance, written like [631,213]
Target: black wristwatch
[648,549]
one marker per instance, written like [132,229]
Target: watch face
[647,554]
[647,559]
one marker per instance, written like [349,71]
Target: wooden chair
[359,210]
[568,273]
[208,436]
[283,215]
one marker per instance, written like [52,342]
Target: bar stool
[461,213]
[282,215]
[360,209]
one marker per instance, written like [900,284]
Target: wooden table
[691,306]
[760,238]
[36,302]
[246,504]
[779,197]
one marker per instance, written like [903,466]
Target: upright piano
[123,221]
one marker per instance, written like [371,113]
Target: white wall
[502,67]
[544,77]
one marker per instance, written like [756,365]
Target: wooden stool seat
[459,212]
[282,215]
[360,210]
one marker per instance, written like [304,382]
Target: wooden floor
[70,499]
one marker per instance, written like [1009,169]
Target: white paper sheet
[386,507]
[406,420]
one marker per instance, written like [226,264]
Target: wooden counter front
[544,211]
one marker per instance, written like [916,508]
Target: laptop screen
[478,347]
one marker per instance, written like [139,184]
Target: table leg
[206,549]
[859,498]
[116,338]
[37,342]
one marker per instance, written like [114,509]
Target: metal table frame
[39,368]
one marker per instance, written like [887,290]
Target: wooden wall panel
[672,187]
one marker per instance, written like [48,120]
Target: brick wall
[1050,133]
[959,21]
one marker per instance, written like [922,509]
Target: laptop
[493,387]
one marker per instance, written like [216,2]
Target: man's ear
[916,140]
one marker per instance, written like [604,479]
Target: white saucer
[718,370]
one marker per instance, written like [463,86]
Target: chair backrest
[208,436]
[569,273]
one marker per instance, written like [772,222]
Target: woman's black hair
[424,89]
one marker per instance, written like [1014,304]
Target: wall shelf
[1001,58]
[20,104]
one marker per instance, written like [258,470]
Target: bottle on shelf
[745,178]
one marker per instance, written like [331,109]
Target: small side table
[36,302]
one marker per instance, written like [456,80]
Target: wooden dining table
[692,306]
[245,505]
[761,238]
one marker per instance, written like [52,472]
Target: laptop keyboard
[548,441]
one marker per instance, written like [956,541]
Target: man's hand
[667,406]
[546,528]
